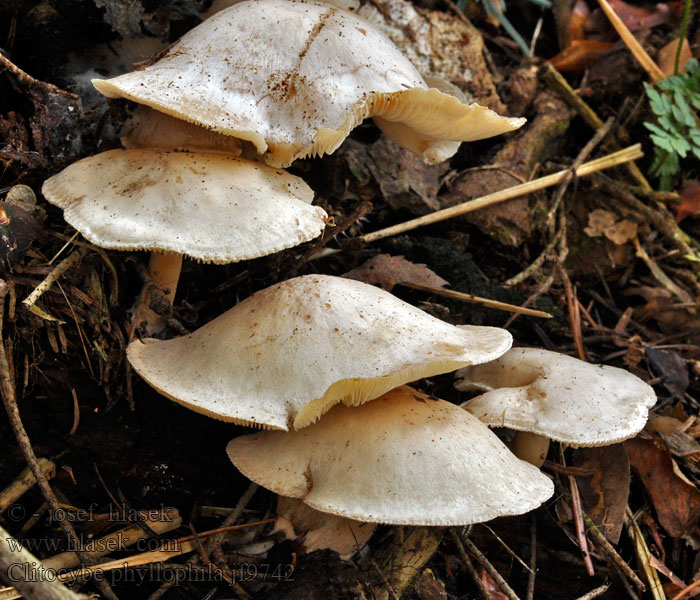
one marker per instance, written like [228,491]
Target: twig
[580,529]
[684,592]
[23,482]
[533,560]
[490,569]
[555,81]
[507,548]
[7,389]
[599,591]
[60,269]
[578,161]
[182,545]
[574,315]
[470,566]
[471,298]
[643,556]
[660,276]
[652,69]
[611,160]
[536,264]
[608,549]
[16,563]
[387,584]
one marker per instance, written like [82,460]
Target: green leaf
[680,145]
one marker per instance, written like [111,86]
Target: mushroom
[211,207]
[545,395]
[294,78]
[285,355]
[403,459]
[148,128]
[316,530]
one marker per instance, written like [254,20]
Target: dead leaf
[666,57]
[491,586]
[636,18]
[689,205]
[677,503]
[605,493]
[673,369]
[579,55]
[576,27]
[386,271]
[603,222]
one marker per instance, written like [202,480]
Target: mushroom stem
[164,272]
[530,447]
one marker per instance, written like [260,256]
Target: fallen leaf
[386,271]
[673,369]
[666,57]
[491,586]
[605,493]
[603,222]
[576,27]
[689,206]
[579,55]
[677,503]
[635,18]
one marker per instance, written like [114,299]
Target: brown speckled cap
[212,207]
[281,358]
[294,78]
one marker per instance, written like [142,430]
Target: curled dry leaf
[676,501]
[605,492]
[386,271]
[579,55]
[690,200]
[666,58]
[603,222]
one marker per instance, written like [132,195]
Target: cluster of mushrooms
[320,363]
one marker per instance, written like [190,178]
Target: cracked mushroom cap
[403,459]
[212,207]
[559,397]
[284,356]
[295,77]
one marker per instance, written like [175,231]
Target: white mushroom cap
[284,356]
[294,78]
[148,128]
[212,207]
[403,459]
[559,397]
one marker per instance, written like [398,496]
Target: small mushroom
[285,355]
[211,207]
[402,459]
[545,395]
[294,78]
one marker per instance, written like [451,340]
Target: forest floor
[610,255]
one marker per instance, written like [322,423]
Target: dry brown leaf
[386,271]
[605,493]
[677,503]
[579,55]
[636,18]
[491,586]
[666,58]
[603,222]
[689,205]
